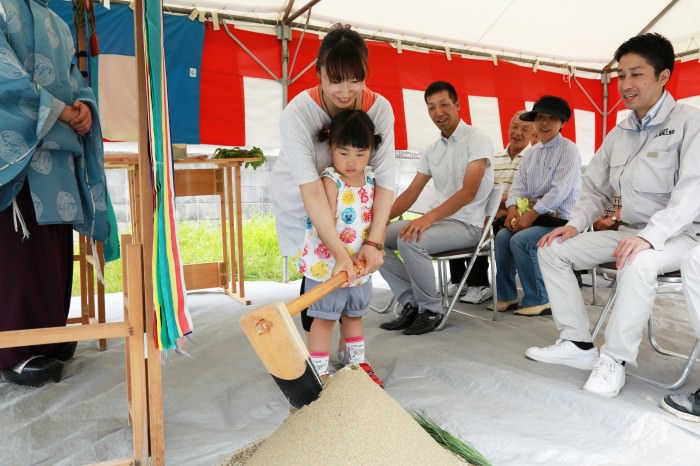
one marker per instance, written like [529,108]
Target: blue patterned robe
[38,79]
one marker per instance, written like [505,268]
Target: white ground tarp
[471,377]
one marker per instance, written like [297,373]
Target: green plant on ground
[453,444]
[201,242]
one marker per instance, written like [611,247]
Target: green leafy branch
[452,443]
[238,153]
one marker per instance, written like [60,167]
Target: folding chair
[485,247]
[671,277]
[424,203]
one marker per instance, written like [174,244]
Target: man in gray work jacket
[652,161]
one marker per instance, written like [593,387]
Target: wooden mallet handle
[318,292]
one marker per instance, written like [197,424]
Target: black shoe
[424,322]
[408,315]
[65,351]
[36,372]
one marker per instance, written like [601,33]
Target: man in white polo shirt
[460,163]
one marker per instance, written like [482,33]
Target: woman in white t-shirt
[298,191]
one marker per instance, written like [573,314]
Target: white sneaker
[607,378]
[452,289]
[477,294]
[565,353]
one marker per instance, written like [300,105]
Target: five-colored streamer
[172,318]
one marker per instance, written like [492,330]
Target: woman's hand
[511,218]
[524,221]
[373,259]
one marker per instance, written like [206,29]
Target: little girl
[349,186]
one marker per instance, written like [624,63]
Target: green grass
[201,242]
[450,442]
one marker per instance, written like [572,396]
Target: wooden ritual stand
[199,176]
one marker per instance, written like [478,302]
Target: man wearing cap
[652,161]
[542,196]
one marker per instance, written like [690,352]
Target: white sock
[320,361]
[355,349]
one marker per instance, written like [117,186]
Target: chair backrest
[494,201]
[491,210]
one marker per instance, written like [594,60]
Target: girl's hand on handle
[345,264]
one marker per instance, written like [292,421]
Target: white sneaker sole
[680,414]
[466,300]
[532,353]
[610,394]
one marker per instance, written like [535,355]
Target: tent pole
[605,80]
[284,33]
[646,28]
[288,19]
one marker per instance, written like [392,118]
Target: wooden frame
[92,292]
[198,176]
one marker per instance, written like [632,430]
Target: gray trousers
[636,286]
[412,278]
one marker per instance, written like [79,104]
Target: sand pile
[354,422]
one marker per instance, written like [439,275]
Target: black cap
[555,106]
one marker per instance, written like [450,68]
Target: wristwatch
[380,247]
[614,219]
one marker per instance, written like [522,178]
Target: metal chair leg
[392,303]
[654,344]
[690,362]
[690,359]
[594,276]
[493,280]
[605,312]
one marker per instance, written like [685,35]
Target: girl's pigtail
[324,134]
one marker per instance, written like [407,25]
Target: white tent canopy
[581,34]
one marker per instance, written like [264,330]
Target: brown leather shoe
[504,305]
[532,311]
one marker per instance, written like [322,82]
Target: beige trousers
[636,286]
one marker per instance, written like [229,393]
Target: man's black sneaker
[685,407]
[424,322]
[408,314]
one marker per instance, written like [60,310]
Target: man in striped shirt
[506,165]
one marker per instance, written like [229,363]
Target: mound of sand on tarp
[354,422]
